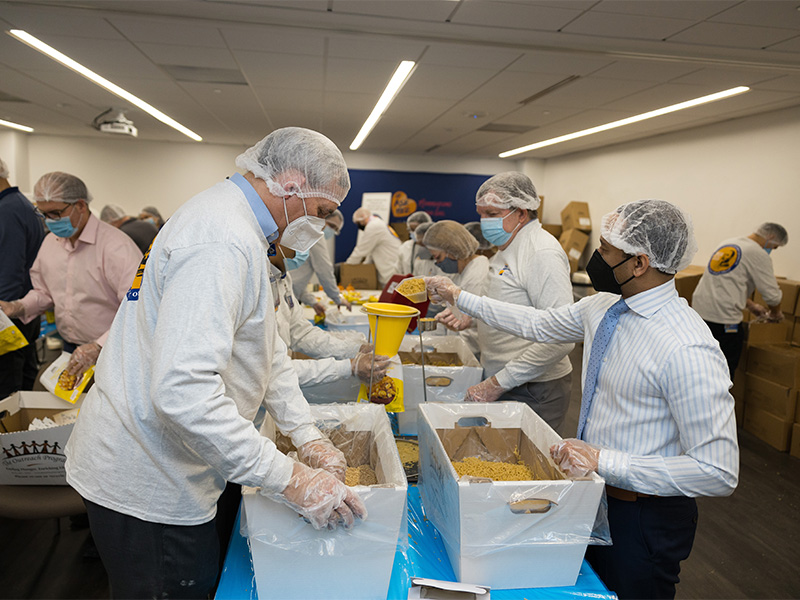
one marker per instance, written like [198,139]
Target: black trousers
[18,369]
[730,343]
[152,560]
[650,539]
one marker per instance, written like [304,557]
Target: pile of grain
[409,453]
[496,471]
[363,475]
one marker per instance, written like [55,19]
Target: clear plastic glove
[12,309]
[319,309]
[487,390]
[82,358]
[452,322]
[322,454]
[361,365]
[346,303]
[775,316]
[441,289]
[756,310]
[321,499]
[575,457]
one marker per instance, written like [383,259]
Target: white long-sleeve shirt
[193,353]
[332,353]
[661,414]
[735,269]
[532,271]
[377,244]
[319,262]
[473,280]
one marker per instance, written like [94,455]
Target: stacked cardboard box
[686,281]
[576,224]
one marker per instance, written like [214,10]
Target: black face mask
[602,274]
[361,226]
[448,265]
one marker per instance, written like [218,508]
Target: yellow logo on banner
[402,205]
[725,259]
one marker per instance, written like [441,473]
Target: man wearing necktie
[656,419]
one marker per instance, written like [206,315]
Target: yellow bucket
[391,321]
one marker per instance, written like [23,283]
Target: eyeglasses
[53,214]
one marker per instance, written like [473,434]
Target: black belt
[626,495]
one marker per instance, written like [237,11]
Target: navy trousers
[731,343]
[152,560]
[650,539]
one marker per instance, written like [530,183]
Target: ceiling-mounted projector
[114,121]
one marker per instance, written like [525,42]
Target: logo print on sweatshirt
[133,293]
[725,259]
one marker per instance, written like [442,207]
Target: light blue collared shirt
[662,413]
[263,216]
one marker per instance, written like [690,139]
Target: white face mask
[302,233]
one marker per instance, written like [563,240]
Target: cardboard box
[779,363]
[769,428]
[34,457]
[576,216]
[505,534]
[554,230]
[768,333]
[291,559]
[794,448]
[444,384]
[686,281]
[739,384]
[791,292]
[574,243]
[362,277]
[795,341]
[738,411]
[771,397]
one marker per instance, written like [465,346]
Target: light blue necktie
[602,337]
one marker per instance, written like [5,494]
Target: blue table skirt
[425,557]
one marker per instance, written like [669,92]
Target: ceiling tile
[790,45]
[463,55]
[281,70]
[646,70]
[734,36]
[454,83]
[182,32]
[373,49]
[514,15]
[564,63]
[43,21]
[191,56]
[766,13]
[626,26]
[430,10]
[674,9]
[721,78]
[345,74]
[281,40]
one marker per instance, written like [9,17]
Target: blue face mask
[329,233]
[492,230]
[768,250]
[62,227]
[412,236]
[296,262]
[448,265]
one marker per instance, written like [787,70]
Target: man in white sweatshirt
[193,353]
[377,243]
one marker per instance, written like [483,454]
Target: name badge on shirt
[732,328]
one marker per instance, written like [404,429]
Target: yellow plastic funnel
[391,321]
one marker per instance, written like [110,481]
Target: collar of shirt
[8,190]
[649,302]
[87,236]
[263,216]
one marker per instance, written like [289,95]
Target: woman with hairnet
[530,269]
[424,265]
[657,420]
[484,247]
[411,248]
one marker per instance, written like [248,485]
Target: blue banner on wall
[442,195]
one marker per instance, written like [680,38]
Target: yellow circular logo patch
[725,260]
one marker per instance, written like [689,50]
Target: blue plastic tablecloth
[425,557]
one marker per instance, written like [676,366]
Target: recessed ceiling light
[37,44]
[628,121]
[13,125]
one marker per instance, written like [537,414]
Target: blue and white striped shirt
[662,413]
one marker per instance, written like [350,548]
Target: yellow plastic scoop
[414,289]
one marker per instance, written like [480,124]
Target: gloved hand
[775,316]
[12,309]
[319,309]
[362,363]
[575,457]
[487,390]
[441,289]
[452,322]
[346,303]
[82,358]
[322,454]
[757,310]
[322,499]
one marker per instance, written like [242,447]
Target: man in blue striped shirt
[658,421]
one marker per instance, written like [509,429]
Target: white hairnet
[418,218]
[422,228]
[508,190]
[452,238]
[297,152]
[474,227]
[3,169]
[361,214]
[153,211]
[659,230]
[60,187]
[111,213]
[773,232]
[336,219]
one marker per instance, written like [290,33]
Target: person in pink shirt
[83,270]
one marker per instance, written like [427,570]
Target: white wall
[730,177]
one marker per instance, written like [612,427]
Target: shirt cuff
[613,466]
[279,475]
[344,368]
[506,380]
[468,302]
[304,434]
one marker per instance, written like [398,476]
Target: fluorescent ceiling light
[628,121]
[65,60]
[398,80]
[16,126]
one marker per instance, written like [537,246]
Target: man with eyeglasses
[82,271]
[21,234]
